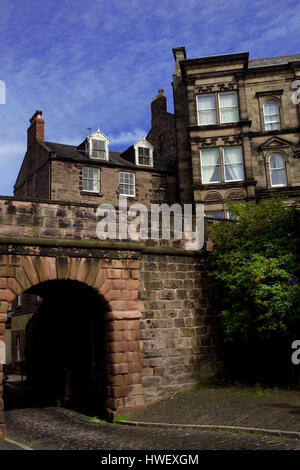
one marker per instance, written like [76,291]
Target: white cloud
[127,138]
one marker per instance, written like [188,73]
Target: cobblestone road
[58,429]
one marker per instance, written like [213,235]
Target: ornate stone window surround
[284,156]
[263,97]
[276,145]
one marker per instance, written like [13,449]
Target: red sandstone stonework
[116,281]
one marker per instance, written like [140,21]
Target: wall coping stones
[106,244]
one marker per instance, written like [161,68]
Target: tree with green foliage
[255,271]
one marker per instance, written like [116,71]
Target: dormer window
[97,146]
[143,153]
[98,149]
[144,156]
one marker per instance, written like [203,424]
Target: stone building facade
[92,173]
[237,128]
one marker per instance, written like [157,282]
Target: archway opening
[63,350]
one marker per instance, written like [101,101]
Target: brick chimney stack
[158,107]
[36,129]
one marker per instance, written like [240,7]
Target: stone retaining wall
[178,337]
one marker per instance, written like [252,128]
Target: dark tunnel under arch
[65,346]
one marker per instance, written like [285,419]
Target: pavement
[206,418]
[237,406]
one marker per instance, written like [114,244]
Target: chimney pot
[37,114]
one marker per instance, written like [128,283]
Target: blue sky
[86,63]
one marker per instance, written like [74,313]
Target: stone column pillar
[123,356]
[124,368]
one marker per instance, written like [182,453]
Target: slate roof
[285,59]
[73,153]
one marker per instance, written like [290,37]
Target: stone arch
[213,196]
[117,281]
[236,195]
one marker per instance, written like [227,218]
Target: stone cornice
[224,185]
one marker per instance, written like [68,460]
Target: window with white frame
[228,107]
[277,170]
[210,165]
[233,163]
[217,170]
[98,149]
[226,112]
[91,179]
[271,115]
[206,108]
[127,183]
[144,157]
